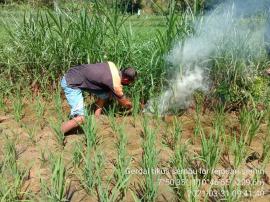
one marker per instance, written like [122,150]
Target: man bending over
[103,80]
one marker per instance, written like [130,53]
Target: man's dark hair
[129,72]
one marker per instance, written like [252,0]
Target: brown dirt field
[31,155]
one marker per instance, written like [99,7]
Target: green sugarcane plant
[17,106]
[90,131]
[265,157]
[149,162]
[244,119]
[198,130]
[219,123]
[267,117]
[43,157]
[91,172]
[232,191]
[112,119]
[122,164]
[39,107]
[88,173]
[115,21]
[60,136]
[239,149]
[173,136]
[77,154]
[210,153]
[2,102]
[57,190]
[11,186]
[31,131]
[103,191]
[177,132]
[266,144]
[10,155]
[193,185]
[179,164]
[136,107]
[250,121]
[58,104]
[12,178]
[255,122]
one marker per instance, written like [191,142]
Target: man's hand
[125,102]
[267,72]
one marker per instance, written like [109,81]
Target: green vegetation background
[39,42]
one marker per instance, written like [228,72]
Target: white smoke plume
[179,95]
[219,25]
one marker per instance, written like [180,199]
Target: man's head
[129,74]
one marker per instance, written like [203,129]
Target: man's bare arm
[99,105]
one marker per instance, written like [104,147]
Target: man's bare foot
[73,123]
[98,112]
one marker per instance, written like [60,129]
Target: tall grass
[50,42]
[47,43]
[235,70]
